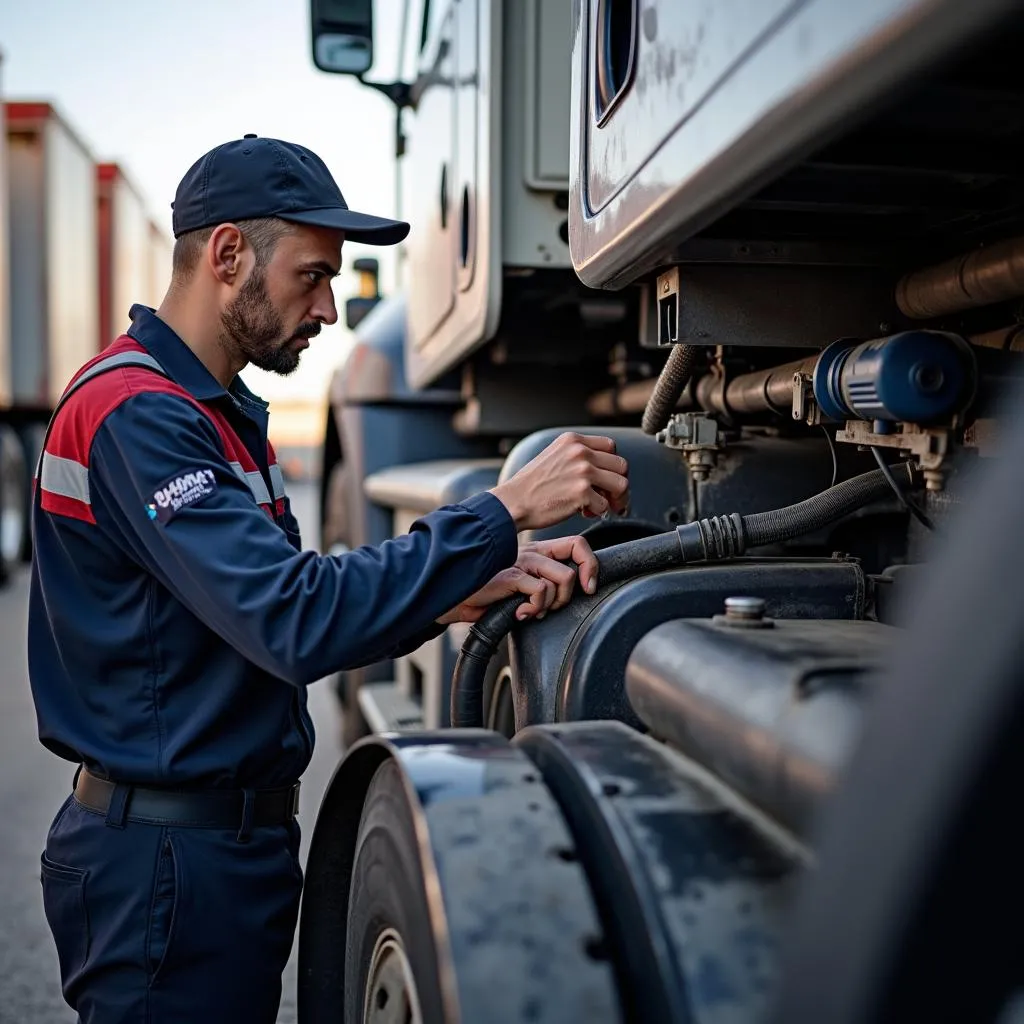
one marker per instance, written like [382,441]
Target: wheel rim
[12,522]
[502,717]
[391,996]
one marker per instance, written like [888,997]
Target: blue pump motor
[916,377]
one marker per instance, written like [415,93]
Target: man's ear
[226,252]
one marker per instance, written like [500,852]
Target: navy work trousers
[158,924]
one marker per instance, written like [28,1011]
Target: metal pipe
[978,278]
[1009,339]
[632,398]
[768,390]
[629,399]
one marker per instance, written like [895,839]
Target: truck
[775,250]
[77,247]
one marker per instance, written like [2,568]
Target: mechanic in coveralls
[175,621]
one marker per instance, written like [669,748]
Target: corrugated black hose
[669,387]
[704,540]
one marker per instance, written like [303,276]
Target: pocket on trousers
[165,909]
[66,914]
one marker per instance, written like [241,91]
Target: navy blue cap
[255,177]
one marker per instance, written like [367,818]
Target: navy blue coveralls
[174,625]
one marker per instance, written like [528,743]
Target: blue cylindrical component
[912,377]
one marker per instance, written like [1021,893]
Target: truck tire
[392,971]
[499,705]
[13,502]
[32,437]
[509,932]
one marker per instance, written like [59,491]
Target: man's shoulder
[105,383]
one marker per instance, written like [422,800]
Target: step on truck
[768,771]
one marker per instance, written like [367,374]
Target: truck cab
[496,337]
[759,774]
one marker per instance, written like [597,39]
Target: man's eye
[315,277]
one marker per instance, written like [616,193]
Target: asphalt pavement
[34,783]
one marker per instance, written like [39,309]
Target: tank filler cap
[744,613]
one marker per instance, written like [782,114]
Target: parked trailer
[133,252]
[159,263]
[78,247]
[52,263]
[767,771]
[12,469]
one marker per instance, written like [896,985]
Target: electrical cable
[835,458]
[904,500]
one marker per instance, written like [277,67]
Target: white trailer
[77,248]
[125,246]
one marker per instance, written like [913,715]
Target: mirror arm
[400,93]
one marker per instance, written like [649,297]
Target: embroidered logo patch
[180,492]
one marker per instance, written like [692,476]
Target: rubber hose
[614,563]
[705,540]
[814,513]
[669,388]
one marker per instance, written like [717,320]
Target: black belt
[210,808]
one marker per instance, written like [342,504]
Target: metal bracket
[983,435]
[667,303]
[928,445]
[805,409]
[697,435]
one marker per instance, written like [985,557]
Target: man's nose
[325,309]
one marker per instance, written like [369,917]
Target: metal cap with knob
[744,613]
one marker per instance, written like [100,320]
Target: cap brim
[358,227]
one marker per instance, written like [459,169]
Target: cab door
[467,99]
[431,184]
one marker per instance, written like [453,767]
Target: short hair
[262,233]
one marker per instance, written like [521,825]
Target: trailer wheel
[390,951]
[13,501]
[458,892]
[32,437]
[501,708]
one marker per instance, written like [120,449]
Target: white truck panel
[433,212]
[487,158]
[535,167]
[130,254]
[29,315]
[52,223]
[720,96]
[72,299]
[161,250]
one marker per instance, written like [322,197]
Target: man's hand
[539,573]
[575,473]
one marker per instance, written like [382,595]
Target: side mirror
[358,306]
[342,35]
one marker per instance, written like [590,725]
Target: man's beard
[253,326]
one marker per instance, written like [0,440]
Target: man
[175,621]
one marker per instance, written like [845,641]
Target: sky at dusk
[153,85]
